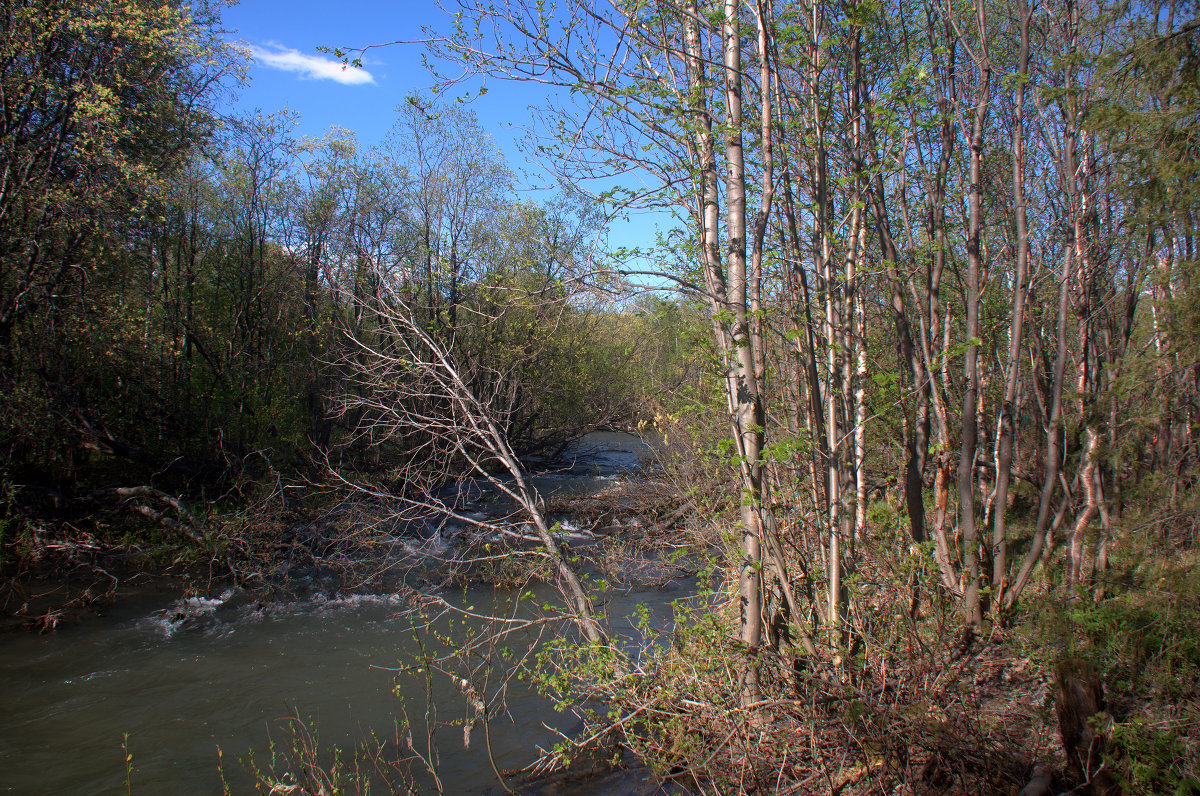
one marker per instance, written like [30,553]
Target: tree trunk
[1012,371]
[970,411]
[1053,454]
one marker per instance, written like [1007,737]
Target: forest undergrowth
[899,698]
[904,702]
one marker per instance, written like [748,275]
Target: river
[173,680]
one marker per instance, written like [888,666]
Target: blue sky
[289,72]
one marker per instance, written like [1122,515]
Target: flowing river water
[170,681]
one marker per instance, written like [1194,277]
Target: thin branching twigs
[405,384]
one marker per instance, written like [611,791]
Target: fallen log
[190,526]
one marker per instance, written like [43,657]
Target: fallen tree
[405,391]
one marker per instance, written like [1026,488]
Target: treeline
[180,291]
[953,244]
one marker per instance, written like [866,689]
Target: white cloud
[316,67]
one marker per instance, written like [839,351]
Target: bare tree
[404,387]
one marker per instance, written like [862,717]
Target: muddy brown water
[193,687]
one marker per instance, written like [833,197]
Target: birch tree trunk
[727,286]
[746,399]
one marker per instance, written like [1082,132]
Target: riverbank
[363,647]
[336,638]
